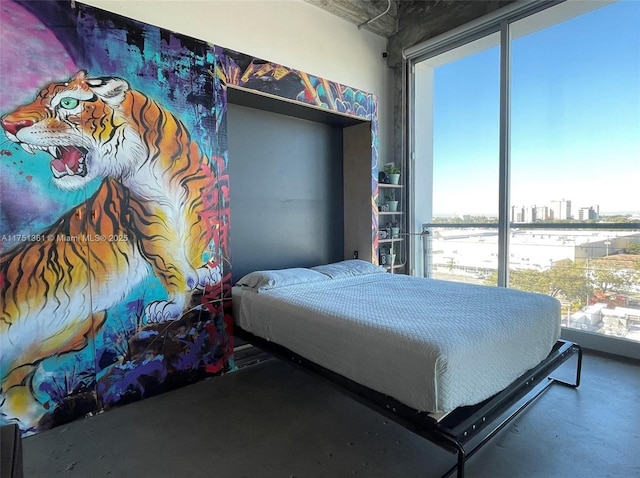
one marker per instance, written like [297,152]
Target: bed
[453,362]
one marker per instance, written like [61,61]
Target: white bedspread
[433,345]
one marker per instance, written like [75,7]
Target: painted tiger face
[79,123]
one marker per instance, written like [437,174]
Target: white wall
[289,32]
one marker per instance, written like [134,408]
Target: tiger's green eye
[69,103]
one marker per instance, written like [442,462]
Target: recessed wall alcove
[301,189]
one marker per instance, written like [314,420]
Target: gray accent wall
[286,191]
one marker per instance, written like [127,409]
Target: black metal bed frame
[463,431]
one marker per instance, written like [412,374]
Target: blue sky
[575,110]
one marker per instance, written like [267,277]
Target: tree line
[577,282]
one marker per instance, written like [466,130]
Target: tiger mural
[152,195]
[53,288]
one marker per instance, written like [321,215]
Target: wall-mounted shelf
[396,218]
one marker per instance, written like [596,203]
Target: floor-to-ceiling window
[457,176]
[525,142]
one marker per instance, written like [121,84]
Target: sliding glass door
[525,154]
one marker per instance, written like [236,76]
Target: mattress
[432,345]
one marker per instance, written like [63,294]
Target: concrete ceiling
[408,22]
[360,11]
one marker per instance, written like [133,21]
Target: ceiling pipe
[377,16]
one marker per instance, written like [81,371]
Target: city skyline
[574,211]
[465,210]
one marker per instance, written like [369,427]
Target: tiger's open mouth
[68,161]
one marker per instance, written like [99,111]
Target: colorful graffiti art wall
[114,213]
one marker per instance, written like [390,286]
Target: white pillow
[270,279]
[349,268]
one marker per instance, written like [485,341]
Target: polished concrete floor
[271,420]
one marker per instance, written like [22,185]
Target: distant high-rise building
[542,213]
[517,214]
[530,214]
[560,210]
[591,213]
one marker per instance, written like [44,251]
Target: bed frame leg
[576,383]
[461,460]
[461,456]
[569,350]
